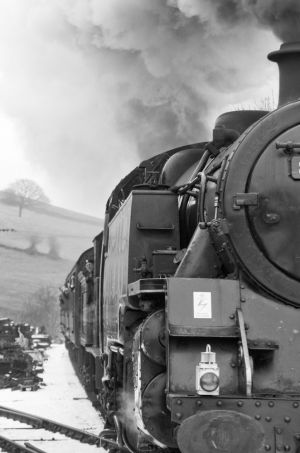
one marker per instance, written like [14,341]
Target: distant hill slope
[56,211]
[38,249]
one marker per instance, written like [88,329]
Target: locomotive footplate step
[149,285]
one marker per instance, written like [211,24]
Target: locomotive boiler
[183,319]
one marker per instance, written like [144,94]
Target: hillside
[38,249]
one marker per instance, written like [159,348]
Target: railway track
[37,423]
[14,447]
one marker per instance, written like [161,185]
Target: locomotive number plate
[295,167]
[202,304]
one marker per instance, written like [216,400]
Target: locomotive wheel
[156,416]
[153,337]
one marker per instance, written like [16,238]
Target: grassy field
[51,232]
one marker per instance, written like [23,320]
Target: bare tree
[42,309]
[25,192]
[53,248]
[32,249]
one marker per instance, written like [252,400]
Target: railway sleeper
[50,425]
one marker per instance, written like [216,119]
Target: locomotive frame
[183,319]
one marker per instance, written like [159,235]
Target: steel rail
[50,425]
[33,448]
[103,440]
[11,446]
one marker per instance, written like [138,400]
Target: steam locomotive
[183,318]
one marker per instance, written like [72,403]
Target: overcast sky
[88,88]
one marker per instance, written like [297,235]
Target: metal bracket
[289,147]
[295,167]
[155,227]
[279,440]
[245,199]
[245,355]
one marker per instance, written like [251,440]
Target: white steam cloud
[97,85]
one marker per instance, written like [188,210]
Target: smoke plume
[96,86]
[283,17]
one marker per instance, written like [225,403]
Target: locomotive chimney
[288,59]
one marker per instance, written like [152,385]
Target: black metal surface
[239,120]
[275,326]
[185,319]
[275,221]
[295,167]
[185,355]
[220,431]
[246,247]
[272,414]
[129,254]
[156,416]
[200,258]
[288,59]
[153,337]
[179,167]
[164,264]
[151,285]
[245,199]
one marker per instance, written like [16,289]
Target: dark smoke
[96,86]
[162,126]
[282,16]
